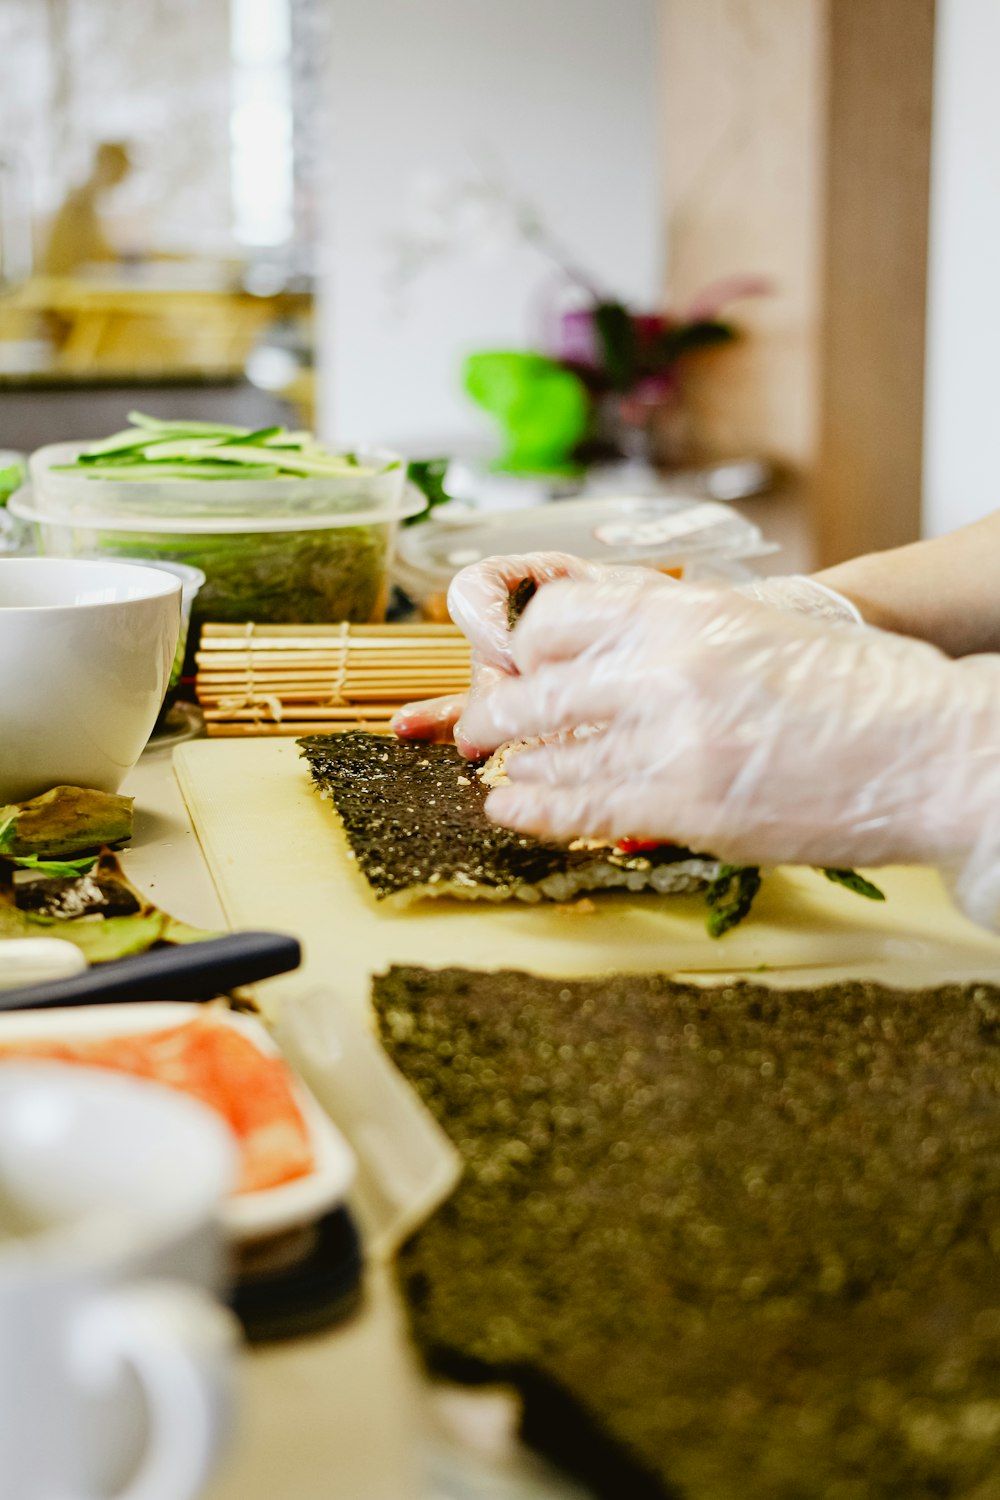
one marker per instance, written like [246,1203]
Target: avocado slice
[64,821]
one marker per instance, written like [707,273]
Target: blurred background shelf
[35,407]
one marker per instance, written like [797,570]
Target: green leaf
[11,477]
[58,868]
[688,337]
[855,882]
[428,476]
[65,823]
[619,347]
[730,897]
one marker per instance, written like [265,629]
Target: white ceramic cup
[85,656]
[115,1358]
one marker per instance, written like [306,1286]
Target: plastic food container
[694,539]
[295,551]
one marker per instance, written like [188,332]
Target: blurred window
[261,127]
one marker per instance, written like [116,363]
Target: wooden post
[867,486]
[797,144]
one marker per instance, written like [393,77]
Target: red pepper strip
[641,846]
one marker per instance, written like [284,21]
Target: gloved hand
[478,604]
[758,735]
[804,596]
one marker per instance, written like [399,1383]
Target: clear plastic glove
[478,604]
[804,596]
[761,736]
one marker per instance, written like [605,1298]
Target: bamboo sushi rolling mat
[315,679]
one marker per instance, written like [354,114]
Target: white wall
[563,94]
[962,452]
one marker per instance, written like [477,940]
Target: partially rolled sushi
[415,820]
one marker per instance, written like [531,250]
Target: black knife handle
[189,971]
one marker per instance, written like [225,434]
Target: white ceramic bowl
[85,655]
[115,1358]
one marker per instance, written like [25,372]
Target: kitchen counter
[333,1416]
[342,1415]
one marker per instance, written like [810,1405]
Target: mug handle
[180,1343]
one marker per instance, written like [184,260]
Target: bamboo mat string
[336,698]
[258,702]
[288,679]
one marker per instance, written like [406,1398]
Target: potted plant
[626,363]
[631,363]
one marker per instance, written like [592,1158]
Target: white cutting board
[279,860]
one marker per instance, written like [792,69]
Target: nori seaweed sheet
[414,818]
[731,1243]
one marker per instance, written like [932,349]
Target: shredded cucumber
[160,424]
[152,449]
[163,470]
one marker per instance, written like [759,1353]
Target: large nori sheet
[732,1243]
[415,821]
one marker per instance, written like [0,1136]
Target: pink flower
[576,339]
[710,301]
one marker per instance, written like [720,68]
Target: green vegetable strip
[300,439]
[855,882]
[261,435]
[119,442]
[152,449]
[730,897]
[206,429]
[67,868]
[294,462]
[187,447]
[162,470]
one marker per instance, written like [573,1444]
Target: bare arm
[946,591]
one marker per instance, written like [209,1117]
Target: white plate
[246,1216]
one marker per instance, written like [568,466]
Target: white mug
[115,1357]
[85,655]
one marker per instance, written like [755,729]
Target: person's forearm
[946,591]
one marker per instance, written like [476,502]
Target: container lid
[354,509]
[651,530]
[377,492]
